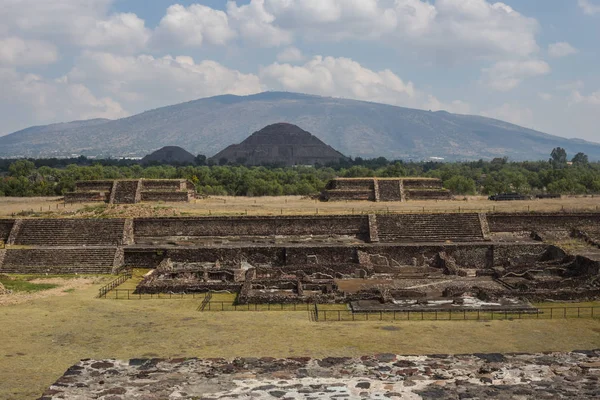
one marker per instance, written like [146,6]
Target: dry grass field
[287,205]
[43,335]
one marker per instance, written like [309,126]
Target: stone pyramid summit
[282,144]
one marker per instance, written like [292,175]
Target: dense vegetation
[49,177]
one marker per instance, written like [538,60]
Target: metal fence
[104,290]
[229,306]
[457,315]
[128,294]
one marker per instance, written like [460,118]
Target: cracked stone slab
[574,375]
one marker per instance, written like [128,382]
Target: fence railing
[104,290]
[458,315]
[229,306]
[128,294]
[205,302]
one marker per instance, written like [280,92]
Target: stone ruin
[405,260]
[385,189]
[382,376]
[124,191]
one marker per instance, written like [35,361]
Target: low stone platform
[573,375]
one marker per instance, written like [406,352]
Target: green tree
[558,157]
[580,158]
[21,168]
[460,185]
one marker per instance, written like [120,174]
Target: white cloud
[144,82]
[255,24]
[31,99]
[339,77]
[332,19]
[121,32]
[545,96]
[511,113]
[588,7]
[193,26]
[577,98]
[507,75]
[561,49]
[19,52]
[83,23]
[444,30]
[290,55]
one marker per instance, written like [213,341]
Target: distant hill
[282,143]
[170,155]
[355,128]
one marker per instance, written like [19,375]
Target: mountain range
[355,128]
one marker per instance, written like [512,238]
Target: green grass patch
[26,286]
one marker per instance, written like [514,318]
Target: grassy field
[288,205]
[43,336]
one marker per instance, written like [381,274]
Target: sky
[529,62]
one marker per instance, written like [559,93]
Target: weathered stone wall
[389,190]
[5,228]
[230,257]
[48,260]
[162,185]
[252,226]
[351,184]
[384,189]
[419,183]
[166,196]
[70,232]
[84,197]
[429,227]
[427,194]
[94,186]
[324,255]
[542,222]
[343,259]
[349,195]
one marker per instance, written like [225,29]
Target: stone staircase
[70,232]
[429,228]
[126,192]
[59,260]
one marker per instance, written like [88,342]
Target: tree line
[52,177]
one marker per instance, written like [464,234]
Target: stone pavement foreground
[574,375]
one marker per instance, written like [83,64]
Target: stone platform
[573,375]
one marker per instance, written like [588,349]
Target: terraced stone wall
[427,194]
[343,259]
[166,196]
[429,227]
[351,184]
[70,232]
[170,184]
[93,186]
[542,222]
[59,261]
[422,183]
[253,226]
[229,257]
[85,197]
[5,228]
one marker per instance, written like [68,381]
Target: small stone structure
[385,189]
[126,191]
[383,376]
